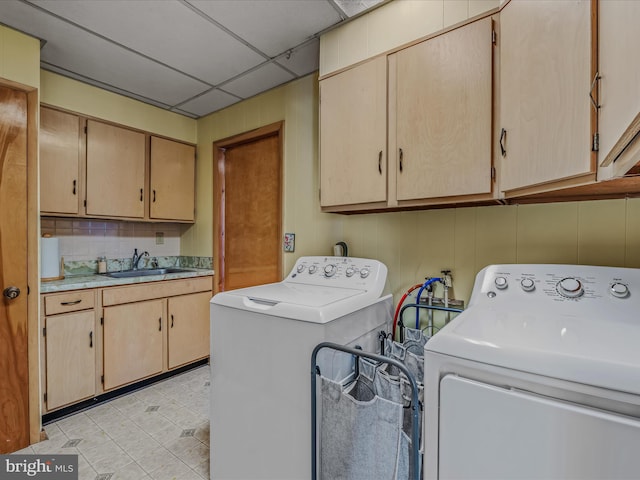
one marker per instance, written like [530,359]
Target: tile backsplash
[83,240]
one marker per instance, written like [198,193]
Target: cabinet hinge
[494,37]
[85,129]
[596,142]
[493,173]
[44,331]
[45,396]
[85,203]
[101,320]
[102,379]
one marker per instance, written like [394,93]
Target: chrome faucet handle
[154,262]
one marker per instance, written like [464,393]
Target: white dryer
[539,378]
[261,343]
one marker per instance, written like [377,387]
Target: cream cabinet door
[60,150]
[545,70]
[115,171]
[70,358]
[353,132]
[172,169]
[188,327]
[619,22]
[442,91]
[132,336]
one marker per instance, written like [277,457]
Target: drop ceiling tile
[72,49]
[302,60]
[169,32]
[208,102]
[263,78]
[274,26]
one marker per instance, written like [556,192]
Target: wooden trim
[627,137]
[219,148]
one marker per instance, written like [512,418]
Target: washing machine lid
[310,303]
[601,352]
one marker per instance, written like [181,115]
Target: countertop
[79,282]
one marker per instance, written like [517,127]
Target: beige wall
[297,104]
[392,25]
[79,97]
[19,57]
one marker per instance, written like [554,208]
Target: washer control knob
[527,284]
[619,290]
[364,272]
[350,271]
[312,269]
[501,283]
[300,268]
[570,287]
[330,270]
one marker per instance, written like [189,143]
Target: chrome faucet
[136,258]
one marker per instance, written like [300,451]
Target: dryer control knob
[501,283]
[619,290]
[350,271]
[364,272]
[329,270]
[570,287]
[527,284]
[312,269]
[300,268]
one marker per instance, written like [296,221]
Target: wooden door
[443,106]
[249,196]
[59,161]
[545,79]
[14,361]
[172,170]
[70,358]
[353,133]
[115,171]
[132,339]
[188,327]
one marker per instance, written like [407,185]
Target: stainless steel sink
[143,272]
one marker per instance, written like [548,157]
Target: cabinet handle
[503,137]
[593,85]
[380,162]
[160,324]
[75,302]
[90,339]
[171,321]
[140,194]
[74,187]
[401,158]
[154,196]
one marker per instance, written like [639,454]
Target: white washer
[539,378]
[261,343]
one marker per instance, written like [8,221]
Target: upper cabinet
[172,173]
[353,126]
[60,161]
[619,121]
[431,103]
[95,169]
[115,171]
[545,110]
[441,106]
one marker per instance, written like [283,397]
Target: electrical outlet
[289,242]
[159,238]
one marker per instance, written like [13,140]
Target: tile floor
[160,432]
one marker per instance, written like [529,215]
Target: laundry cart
[261,341]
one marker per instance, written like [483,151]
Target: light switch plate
[289,242]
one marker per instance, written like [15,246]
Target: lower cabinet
[70,358]
[132,339]
[98,340]
[188,331]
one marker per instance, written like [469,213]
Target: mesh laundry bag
[361,432]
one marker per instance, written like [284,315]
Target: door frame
[219,158]
[33,257]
